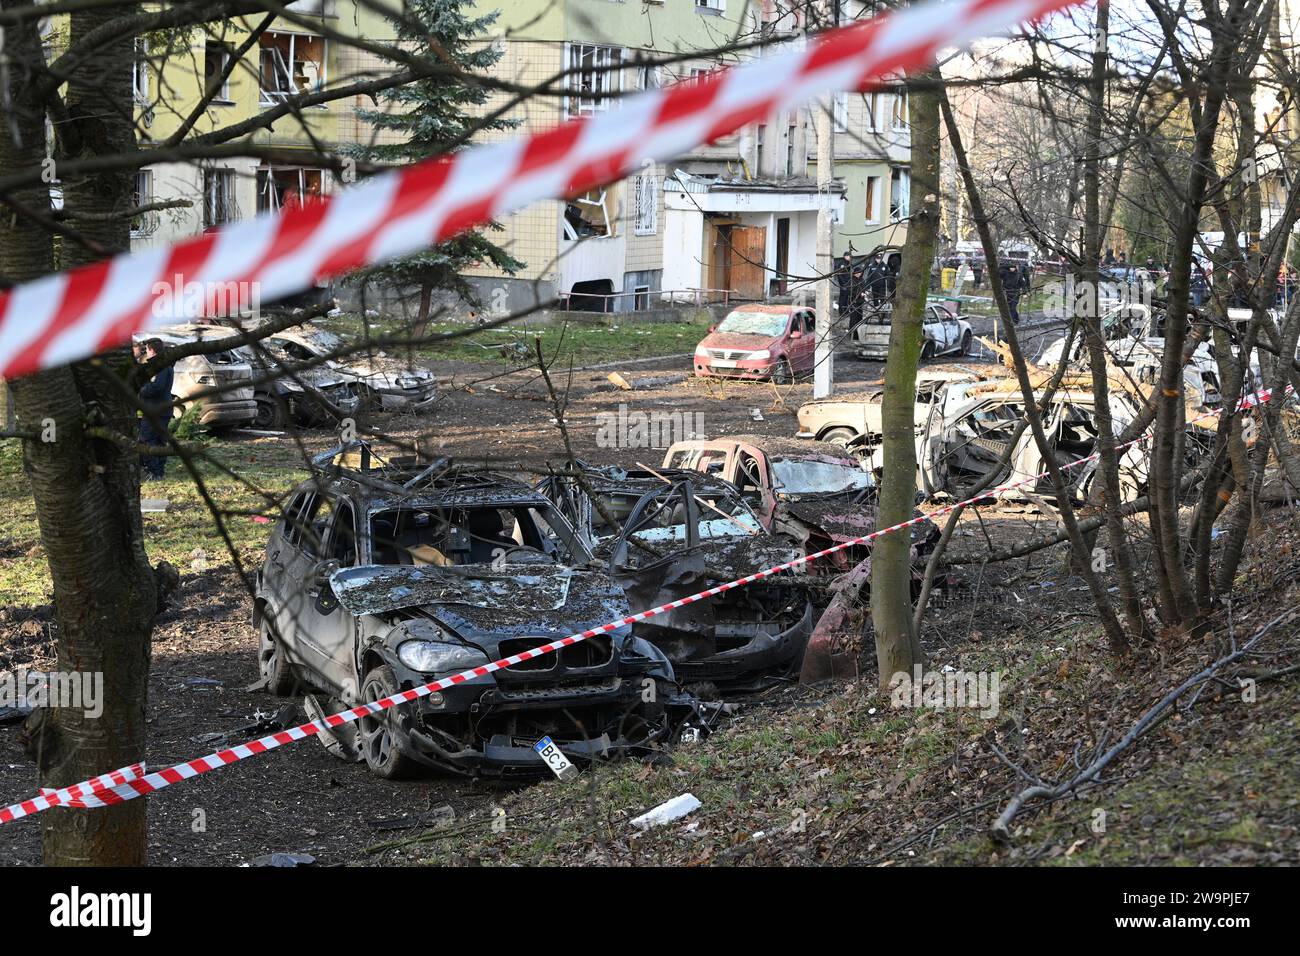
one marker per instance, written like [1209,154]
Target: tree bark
[898,647]
[86,491]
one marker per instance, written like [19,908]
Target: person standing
[1199,284]
[1013,286]
[156,401]
[844,276]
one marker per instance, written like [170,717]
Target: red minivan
[760,341]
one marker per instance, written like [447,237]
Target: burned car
[943,332]
[195,375]
[381,382]
[285,392]
[668,534]
[383,577]
[971,425]
[814,493]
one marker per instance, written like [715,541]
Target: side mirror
[320,590]
[712,329]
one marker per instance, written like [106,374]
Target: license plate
[723,363]
[554,757]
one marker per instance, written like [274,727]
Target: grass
[173,535]
[578,341]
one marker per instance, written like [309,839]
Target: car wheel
[927,350]
[965,342]
[270,412]
[782,374]
[272,662]
[839,436]
[382,742]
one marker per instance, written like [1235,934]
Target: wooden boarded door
[748,256]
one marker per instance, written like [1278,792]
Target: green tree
[431,116]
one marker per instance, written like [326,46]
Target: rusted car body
[379,579]
[814,493]
[665,535]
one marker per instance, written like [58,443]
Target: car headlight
[430,656]
[409,381]
[206,379]
[760,354]
[701,352]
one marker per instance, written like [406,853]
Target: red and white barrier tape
[126,784]
[72,315]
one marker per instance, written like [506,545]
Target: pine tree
[430,116]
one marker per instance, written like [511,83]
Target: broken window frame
[602,202]
[284,71]
[900,189]
[220,205]
[269,190]
[140,71]
[646,204]
[899,120]
[144,224]
[594,74]
[225,54]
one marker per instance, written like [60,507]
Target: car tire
[927,351]
[272,662]
[839,436]
[383,745]
[271,412]
[966,339]
[782,374]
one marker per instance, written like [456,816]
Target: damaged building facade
[738,215]
[294,57]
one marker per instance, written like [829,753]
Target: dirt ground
[298,798]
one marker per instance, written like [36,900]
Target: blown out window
[290,64]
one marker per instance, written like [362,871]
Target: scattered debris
[283,859]
[13,715]
[203,683]
[153,505]
[674,809]
[261,723]
[437,817]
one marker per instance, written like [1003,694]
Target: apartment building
[737,215]
[295,57]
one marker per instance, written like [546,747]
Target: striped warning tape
[72,315]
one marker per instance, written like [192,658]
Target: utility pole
[824,371]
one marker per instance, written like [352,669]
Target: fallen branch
[1000,831]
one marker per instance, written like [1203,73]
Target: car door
[805,347]
[332,625]
[313,619]
[286,565]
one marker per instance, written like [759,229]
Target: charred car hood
[519,598]
[838,518]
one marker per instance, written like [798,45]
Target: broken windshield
[769,324]
[813,476]
[481,535]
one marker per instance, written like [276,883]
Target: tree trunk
[86,492]
[898,646]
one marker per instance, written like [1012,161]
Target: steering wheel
[529,554]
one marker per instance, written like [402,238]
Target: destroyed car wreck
[380,578]
[669,534]
[813,493]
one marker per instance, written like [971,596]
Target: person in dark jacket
[1199,284]
[1014,284]
[876,280]
[844,277]
[156,401]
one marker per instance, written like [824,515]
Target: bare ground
[1217,784]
